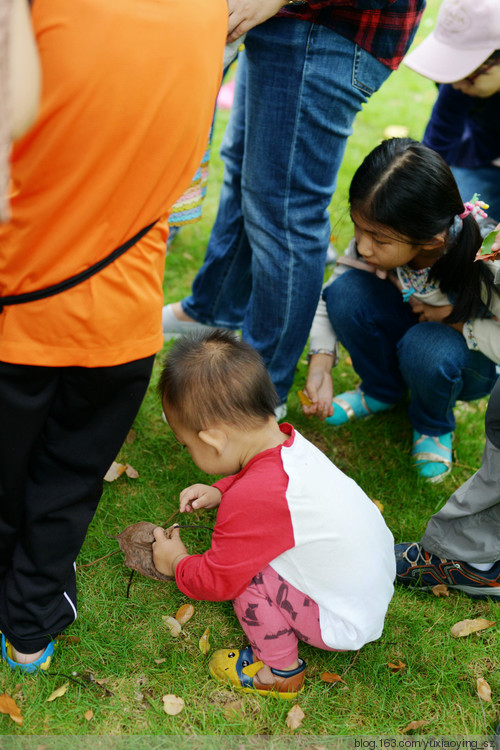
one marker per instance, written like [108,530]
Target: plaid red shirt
[384,28]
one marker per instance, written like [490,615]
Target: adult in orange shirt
[127,101]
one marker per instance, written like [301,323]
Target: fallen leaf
[9,706]
[348,361]
[379,505]
[295,717]
[184,613]
[172,704]
[131,437]
[172,624]
[396,131]
[441,589]
[187,256]
[114,472]
[204,643]
[331,677]
[58,692]
[414,725]
[483,689]
[466,627]
[160,661]
[136,542]
[396,667]
[69,638]
[233,707]
[304,398]
[485,252]
[89,715]
[131,472]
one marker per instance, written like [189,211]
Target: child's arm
[167,552]
[199,496]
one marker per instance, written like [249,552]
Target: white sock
[482,566]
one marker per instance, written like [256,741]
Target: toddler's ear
[215,438]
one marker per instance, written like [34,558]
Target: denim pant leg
[369,317]
[304,85]
[438,369]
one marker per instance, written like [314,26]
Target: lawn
[119,658]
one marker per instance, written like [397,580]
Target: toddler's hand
[199,496]
[167,552]
[319,388]
[434,313]
[496,244]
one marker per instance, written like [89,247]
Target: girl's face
[379,246]
[483,82]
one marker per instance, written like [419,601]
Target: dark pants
[60,430]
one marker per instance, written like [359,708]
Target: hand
[431,312]
[319,387]
[167,552]
[496,244]
[245,14]
[199,496]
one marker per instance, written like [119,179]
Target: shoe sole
[472,591]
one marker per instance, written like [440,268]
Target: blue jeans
[482,180]
[392,352]
[298,89]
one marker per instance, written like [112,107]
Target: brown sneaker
[240,670]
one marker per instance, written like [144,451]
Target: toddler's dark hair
[214,377]
[409,188]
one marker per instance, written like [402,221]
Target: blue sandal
[240,670]
[432,455]
[42,663]
[354,405]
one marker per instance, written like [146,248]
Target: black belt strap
[62,286]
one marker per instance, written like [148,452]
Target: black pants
[60,430]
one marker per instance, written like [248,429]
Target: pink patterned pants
[275,617]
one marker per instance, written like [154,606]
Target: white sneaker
[173,327]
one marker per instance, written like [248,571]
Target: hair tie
[474,207]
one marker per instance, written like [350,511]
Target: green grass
[120,638]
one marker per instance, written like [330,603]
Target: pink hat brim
[443,63]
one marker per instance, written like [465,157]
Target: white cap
[467,32]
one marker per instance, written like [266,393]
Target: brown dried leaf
[441,589]
[483,689]
[396,666]
[114,472]
[184,613]
[9,706]
[331,677]
[160,661]
[304,398]
[172,704]
[295,717]
[69,638]
[58,692]
[131,472]
[414,725]
[89,715]
[466,627]
[172,624]
[233,707]
[131,437]
[204,643]
[136,544]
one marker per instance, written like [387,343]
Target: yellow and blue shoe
[239,669]
[42,663]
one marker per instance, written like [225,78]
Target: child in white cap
[462,54]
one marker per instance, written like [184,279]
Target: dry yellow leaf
[441,589]
[483,689]
[396,666]
[184,613]
[304,398]
[172,704]
[331,677]
[9,706]
[131,472]
[295,717]
[172,624]
[348,361]
[414,725]
[160,661]
[466,627]
[204,643]
[60,691]
[114,472]
[89,715]
[379,505]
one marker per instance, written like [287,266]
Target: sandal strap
[432,442]
[347,407]
[434,457]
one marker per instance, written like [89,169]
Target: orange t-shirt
[128,95]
